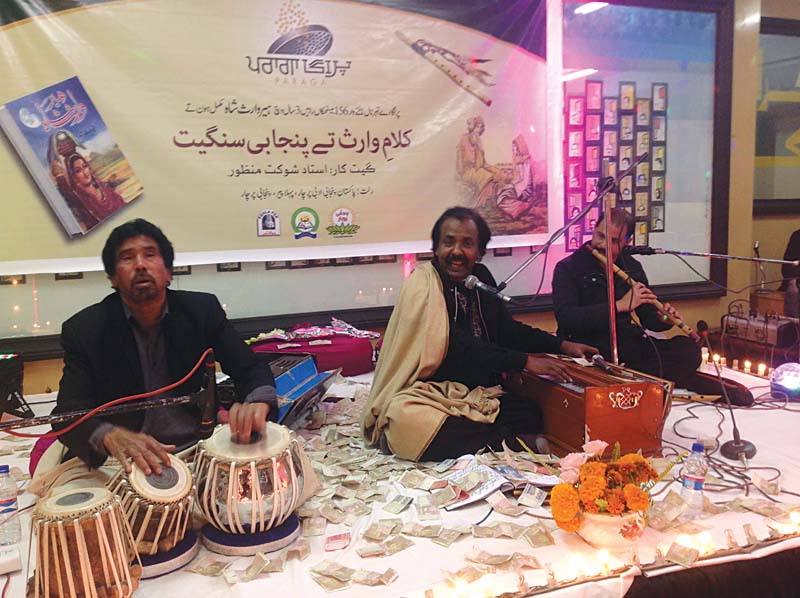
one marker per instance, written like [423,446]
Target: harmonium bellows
[618,405]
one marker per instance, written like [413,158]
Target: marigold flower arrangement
[593,486]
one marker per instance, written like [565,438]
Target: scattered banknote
[396,544]
[398,504]
[300,550]
[690,528]
[314,526]
[538,535]
[380,530]
[682,555]
[373,578]
[331,513]
[444,465]
[663,513]
[329,584]
[335,570]
[532,496]
[447,536]
[370,550]
[337,541]
[208,566]
[501,504]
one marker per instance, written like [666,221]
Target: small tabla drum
[84,547]
[248,488]
[158,507]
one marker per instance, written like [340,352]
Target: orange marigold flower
[591,489]
[591,507]
[593,469]
[564,502]
[571,525]
[616,501]
[636,498]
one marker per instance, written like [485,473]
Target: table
[420,567]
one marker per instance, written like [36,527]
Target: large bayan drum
[248,488]
[158,507]
[84,547]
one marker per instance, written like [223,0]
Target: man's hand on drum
[246,418]
[578,350]
[543,366]
[146,451]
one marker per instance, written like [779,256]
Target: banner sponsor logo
[305,223]
[268,224]
[342,223]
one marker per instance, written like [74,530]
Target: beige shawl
[408,411]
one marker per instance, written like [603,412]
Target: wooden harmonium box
[297,382]
[614,405]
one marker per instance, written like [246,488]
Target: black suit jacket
[101,361]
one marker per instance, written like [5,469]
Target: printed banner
[269,130]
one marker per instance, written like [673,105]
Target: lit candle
[723,362]
[705,543]
[716,358]
[762,369]
[603,558]
[735,365]
[747,365]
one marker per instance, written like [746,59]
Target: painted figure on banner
[506,194]
[93,199]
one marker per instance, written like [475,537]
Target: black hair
[128,230]
[619,217]
[461,213]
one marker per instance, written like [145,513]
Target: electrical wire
[119,401]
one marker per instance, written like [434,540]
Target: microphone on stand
[642,250]
[472,282]
[207,400]
[738,448]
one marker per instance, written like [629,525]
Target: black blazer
[101,361]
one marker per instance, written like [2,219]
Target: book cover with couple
[71,154]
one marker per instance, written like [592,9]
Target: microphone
[600,362]
[642,250]
[702,328]
[207,400]
[472,282]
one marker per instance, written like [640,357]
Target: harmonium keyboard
[298,384]
[615,404]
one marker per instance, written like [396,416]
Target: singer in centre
[580,303]
[436,392]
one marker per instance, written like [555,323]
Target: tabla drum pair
[248,492]
[85,548]
[159,510]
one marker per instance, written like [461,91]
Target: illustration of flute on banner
[451,63]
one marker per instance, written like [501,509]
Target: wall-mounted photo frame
[229,267]
[574,175]
[642,175]
[299,264]
[322,262]
[575,104]
[276,265]
[502,251]
[575,146]
[659,158]
[626,127]
[657,219]
[591,188]
[593,127]
[610,111]
[181,270]
[574,237]
[591,219]
[626,188]
[641,235]
[365,259]
[642,204]
[343,261]
[610,143]
[386,259]
[657,188]
[425,256]
[625,157]
[574,203]
[659,128]
[642,143]
[594,95]
[592,158]
[58,276]
[13,279]
[627,95]
[642,112]
[659,97]
[610,167]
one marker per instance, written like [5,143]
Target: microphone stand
[736,449]
[610,185]
[724,256]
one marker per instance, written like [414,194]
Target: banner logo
[305,223]
[342,223]
[268,224]
[298,38]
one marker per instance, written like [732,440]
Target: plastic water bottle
[10,530]
[694,478]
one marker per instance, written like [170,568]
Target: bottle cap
[698,447]
[3,469]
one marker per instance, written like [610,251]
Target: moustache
[143,278]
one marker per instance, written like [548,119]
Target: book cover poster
[61,134]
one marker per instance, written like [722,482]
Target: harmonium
[298,384]
[615,404]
